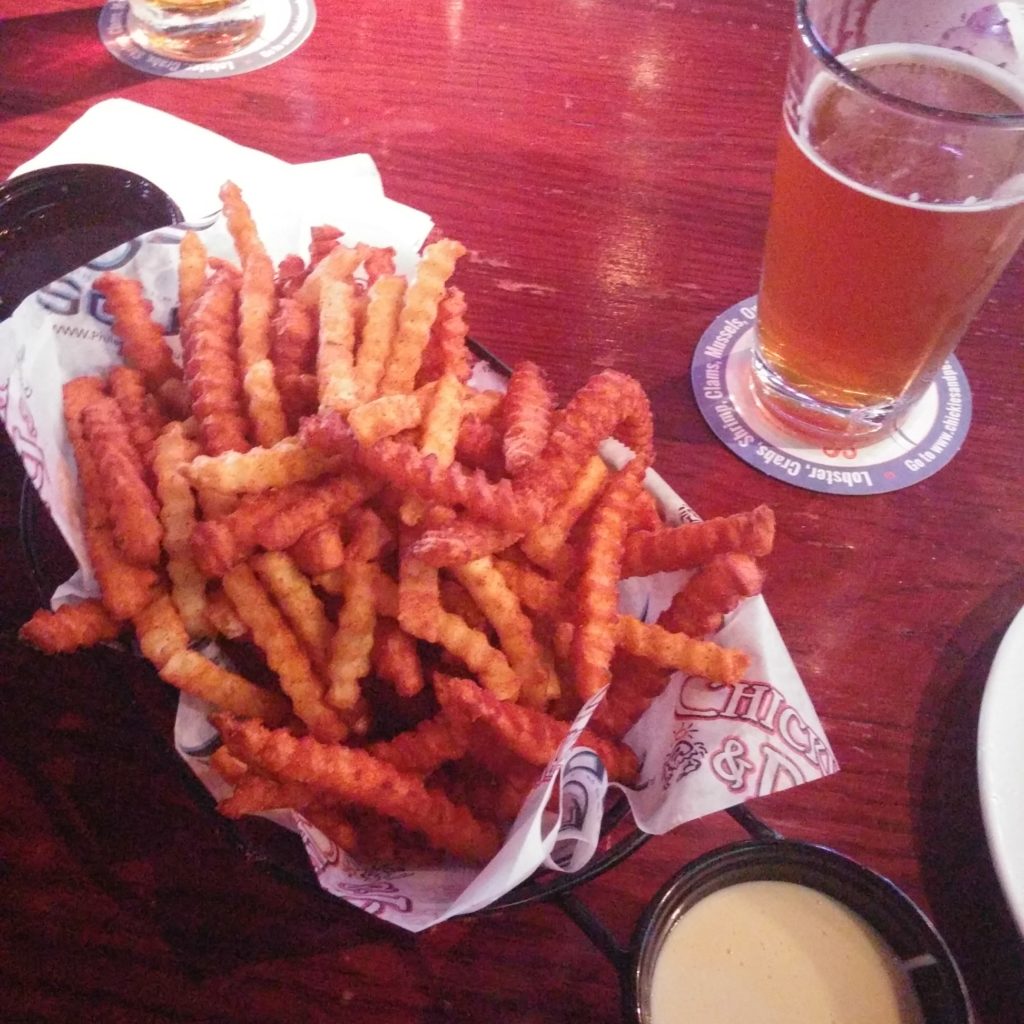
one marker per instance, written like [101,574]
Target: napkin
[703,748]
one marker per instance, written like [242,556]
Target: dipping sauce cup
[785,931]
[898,199]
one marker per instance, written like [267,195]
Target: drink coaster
[928,435]
[286,28]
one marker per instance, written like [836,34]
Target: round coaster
[929,434]
[286,28]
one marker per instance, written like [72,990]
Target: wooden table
[608,166]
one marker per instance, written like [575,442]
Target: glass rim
[825,56]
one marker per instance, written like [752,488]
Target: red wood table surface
[607,163]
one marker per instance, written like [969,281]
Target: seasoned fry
[284,654]
[692,544]
[356,776]
[142,339]
[335,359]
[139,408]
[593,642]
[173,451]
[712,592]
[259,469]
[381,328]
[212,371]
[534,736]
[394,658]
[294,594]
[418,313]
[191,275]
[527,417]
[70,627]
[133,508]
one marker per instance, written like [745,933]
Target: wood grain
[608,166]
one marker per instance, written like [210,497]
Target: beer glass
[194,30]
[898,199]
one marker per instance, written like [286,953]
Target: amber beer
[195,30]
[886,232]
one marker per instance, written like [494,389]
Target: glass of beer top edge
[898,199]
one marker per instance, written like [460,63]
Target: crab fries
[427,576]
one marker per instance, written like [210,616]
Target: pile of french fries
[428,572]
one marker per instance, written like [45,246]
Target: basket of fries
[473,616]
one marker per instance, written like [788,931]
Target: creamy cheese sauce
[770,952]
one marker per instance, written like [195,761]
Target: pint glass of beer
[898,199]
[194,30]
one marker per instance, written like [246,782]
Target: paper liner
[702,748]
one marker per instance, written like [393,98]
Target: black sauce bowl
[56,219]
[933,973]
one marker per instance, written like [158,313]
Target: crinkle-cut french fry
[193,673]
[255,793]
[593,642]
[679,651]
[646,513]
[418,313]
[71,627]
[355,776]
[160,631]
[420,613]
[142,339]
[266,410]
[221,615]
[227,766]
[298,397]
[340,263]
[379,262]
[211,369]
[479,446]
[385,417]
[133,508]
[539,593]
[320,549]
[712,592]
[525,655]
[609,403]
[348,660]
[284,653]
[446,349]
[172,451]
[692,544]
[532,735]
[318,503]
[381,327]
[218,544]
[635,683]
[440,434]
[240,223]
[290,274]
[139,407]
[527,414]
[294,594]
[395,658]
[404,466]
[545,544]
[259,469]
[424,748]
[335,358]
[484,405]
[323,238]
[293,349]
[335,825]
[125,587]
[191,275]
